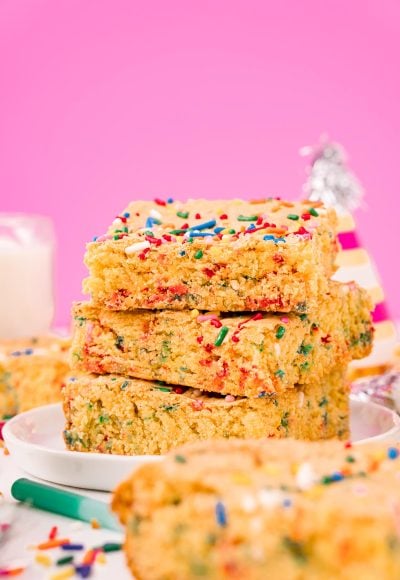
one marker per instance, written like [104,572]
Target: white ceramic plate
[35,442]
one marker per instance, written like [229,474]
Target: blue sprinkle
[218,229]
[287,502]
[170,200]
[220,514]
[280,240]
[149,223]
[95,238]
[269,237]
[251,227]
[262,394]
[72,547]
[16,353]
[337,476]
[200,234]
[72,379]
[182,253]
[204,226]
[84,570]
[29,351]
[392,453]
[156,221]
[126,214]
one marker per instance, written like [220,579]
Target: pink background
[105,101]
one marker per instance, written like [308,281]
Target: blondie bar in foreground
[214,255]
[282,510]
[237,355]
[111,414]
[32,372]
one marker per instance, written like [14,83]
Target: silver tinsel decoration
[329,179]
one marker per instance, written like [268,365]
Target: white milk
[26,276]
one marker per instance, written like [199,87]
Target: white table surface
[30,526]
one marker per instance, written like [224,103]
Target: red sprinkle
[278,259]
[142,255]
[160,201]
[223,216]
[152,240]
[53,533]
[178,390]
[184,227]
[301,231]
[167,237]
[348,445]
[197,216]
[259,220]
[208,347]
[215,322]
[326,339]
[208,272]
[235,338]
[200,339]
[305,216]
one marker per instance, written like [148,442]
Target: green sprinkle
[312,211]
[305,366]
[221,336]
[80,319]
[350,459]
[303,317]
[198,254]
[280,373]
[247,218]
[169,408]
[285,421]
[65,560]
[324,401]
[305,349]
[149,233]
[296,549]
[116,237]
[180,459]
[292,216]
[177,232]
[111,547]
[163,389]
[104,419]
[280,332]
[182,214]
[124,385]
[119,342]
[231,231]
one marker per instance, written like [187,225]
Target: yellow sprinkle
[95,524]
[225,231]
[379,455]
[101,558]
[241,478]
[314,492]
[42,559]
[194,313]
[294,468]
[65,573]
[270,469]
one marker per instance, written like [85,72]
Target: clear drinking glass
[26,275]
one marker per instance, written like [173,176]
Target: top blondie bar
[226,255]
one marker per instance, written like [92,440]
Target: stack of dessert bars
[213,319]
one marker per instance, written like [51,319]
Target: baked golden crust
[264,509]
[262,352]
[112,414]
[270,255]
[32,372]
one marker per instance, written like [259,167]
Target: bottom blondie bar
[112,414]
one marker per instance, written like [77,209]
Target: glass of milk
[26,275]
